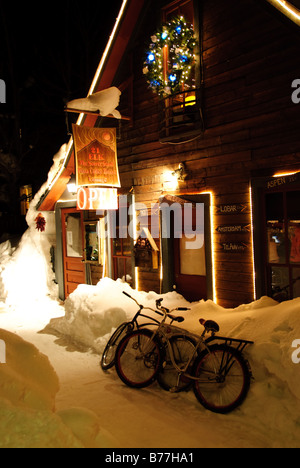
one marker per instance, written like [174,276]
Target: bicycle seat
[176,319]
[210,325]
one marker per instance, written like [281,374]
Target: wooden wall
[250,59]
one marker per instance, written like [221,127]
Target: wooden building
[226,142]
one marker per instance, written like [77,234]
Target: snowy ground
[94,409]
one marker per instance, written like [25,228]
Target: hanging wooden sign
[96,156]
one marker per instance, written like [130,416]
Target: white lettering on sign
[96,198]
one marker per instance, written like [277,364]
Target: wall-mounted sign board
[231,209]
[233,228]
[234,247]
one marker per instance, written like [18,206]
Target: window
[283,244]
[180,113]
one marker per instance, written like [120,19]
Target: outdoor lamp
[72,187]
[181,172]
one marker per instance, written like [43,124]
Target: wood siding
[250,59]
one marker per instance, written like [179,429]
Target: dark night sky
[49,53]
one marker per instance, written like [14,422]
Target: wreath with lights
[179,39]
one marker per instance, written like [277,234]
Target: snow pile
[26,274]
[90,316]
[273,404]
[28,387]
[27,379]
[105,102]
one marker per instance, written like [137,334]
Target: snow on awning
[103,103]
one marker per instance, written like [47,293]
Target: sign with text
[97,198]
[96,156]
[234,228]
[234,247]
[232,208]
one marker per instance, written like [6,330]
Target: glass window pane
[192,255]
[293,205]
[294,240]
[74,235]
[91,242]
[280,284]
[274,207]
[117,247]
[276,242]
[296,282]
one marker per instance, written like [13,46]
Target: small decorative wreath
[176,42]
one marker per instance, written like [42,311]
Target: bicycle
[108,356]
[219,373]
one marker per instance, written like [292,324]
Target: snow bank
[90,316]
[26,274]
[28,387]
[94,312]
[27,379]
[273,404]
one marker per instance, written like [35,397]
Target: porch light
[72,187]
[181,173]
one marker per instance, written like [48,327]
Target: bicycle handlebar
[126,294]
[160,307]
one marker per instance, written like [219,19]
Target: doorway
[187,253]
[73,251]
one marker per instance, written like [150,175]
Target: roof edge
[289,10]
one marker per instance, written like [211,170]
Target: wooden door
[73,258]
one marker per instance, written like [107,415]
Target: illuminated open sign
[97,198]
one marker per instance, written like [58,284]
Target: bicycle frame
[162,331]
[200,342]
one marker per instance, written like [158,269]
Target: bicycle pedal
[173,390]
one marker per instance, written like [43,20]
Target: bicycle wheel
[138,359]
[183,348]
[109,353]
[223,379]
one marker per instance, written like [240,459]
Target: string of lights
[170,57]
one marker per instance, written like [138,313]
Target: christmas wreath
[176,41]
